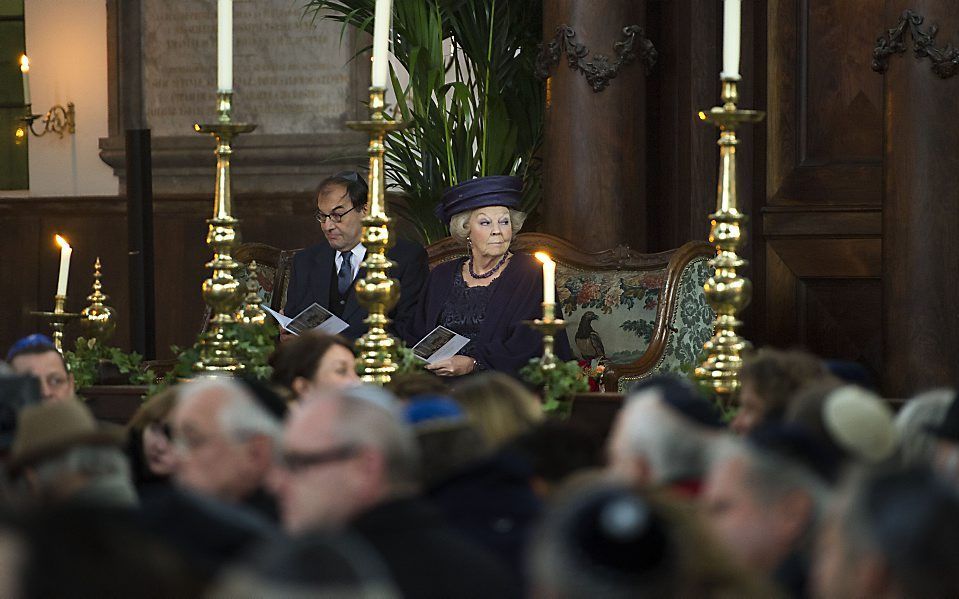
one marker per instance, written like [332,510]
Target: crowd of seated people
[314,484]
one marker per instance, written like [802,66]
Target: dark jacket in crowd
[491,503]
[428,559]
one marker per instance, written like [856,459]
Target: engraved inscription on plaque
[290,74]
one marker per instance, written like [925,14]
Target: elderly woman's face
[491,230]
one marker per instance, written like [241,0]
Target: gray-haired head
[648,432]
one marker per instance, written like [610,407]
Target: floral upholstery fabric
[691,324]
[265,275]
[610,313]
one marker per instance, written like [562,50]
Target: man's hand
[455,366]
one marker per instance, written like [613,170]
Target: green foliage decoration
[559,384]
[85,359]
[474,104]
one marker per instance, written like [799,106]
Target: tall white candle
[224,45]
[25,69]
[549,277]
[732,18]
[381,36]
[65,252]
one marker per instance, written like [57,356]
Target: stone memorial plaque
[292,78]
[291,75]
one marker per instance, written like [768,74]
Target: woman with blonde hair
[499,406]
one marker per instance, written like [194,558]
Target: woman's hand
[455,366]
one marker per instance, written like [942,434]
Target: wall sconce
[57,120]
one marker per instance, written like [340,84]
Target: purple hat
[497,190]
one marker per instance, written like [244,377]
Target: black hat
[680,395]
[614,530]
[496,190]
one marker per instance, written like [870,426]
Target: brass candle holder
[58,319]
[251,312]
[222,290]
[377,292]
[98,321]
[727,291]
[548,326]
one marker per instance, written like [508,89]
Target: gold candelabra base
[222,290]
[58,319]
[727,290]
[377,292]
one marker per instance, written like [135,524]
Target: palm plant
[474,109]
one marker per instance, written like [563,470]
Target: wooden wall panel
[97,227]
[821,222]
[825,103]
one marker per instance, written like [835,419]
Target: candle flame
[24,64]
[543,257]
[62,242]
[702,115]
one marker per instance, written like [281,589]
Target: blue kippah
[423,408]
[34,340]
[496,190]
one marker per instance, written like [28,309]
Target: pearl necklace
[487,274]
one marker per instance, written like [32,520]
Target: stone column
[594,186]
[920,253]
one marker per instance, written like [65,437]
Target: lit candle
[65,252]
[549,277]
[381,35]
[224,45]
[732,16]
[25,69]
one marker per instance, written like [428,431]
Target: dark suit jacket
[312,275]
[428,559]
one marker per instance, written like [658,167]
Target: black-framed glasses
[334,216]
[296,461]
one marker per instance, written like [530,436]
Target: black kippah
[617,532]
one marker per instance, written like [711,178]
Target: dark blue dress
[499,340]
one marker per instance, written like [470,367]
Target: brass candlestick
[221,291]
[58,319]
[549,325]
[251,312]
[727,291]
[377,292]
[98,321]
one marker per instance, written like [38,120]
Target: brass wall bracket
[602,68]
[57,120]
[945,61]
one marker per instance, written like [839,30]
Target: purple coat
[504,343]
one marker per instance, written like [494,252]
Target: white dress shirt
[359,253]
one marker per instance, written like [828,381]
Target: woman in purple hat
[487,295]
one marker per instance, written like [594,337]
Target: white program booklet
[314,317]
[439,344]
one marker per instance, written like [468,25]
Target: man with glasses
[325,273]
[349,463]
[37,356]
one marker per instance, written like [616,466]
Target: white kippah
[861,423]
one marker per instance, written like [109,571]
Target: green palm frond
[487,120]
